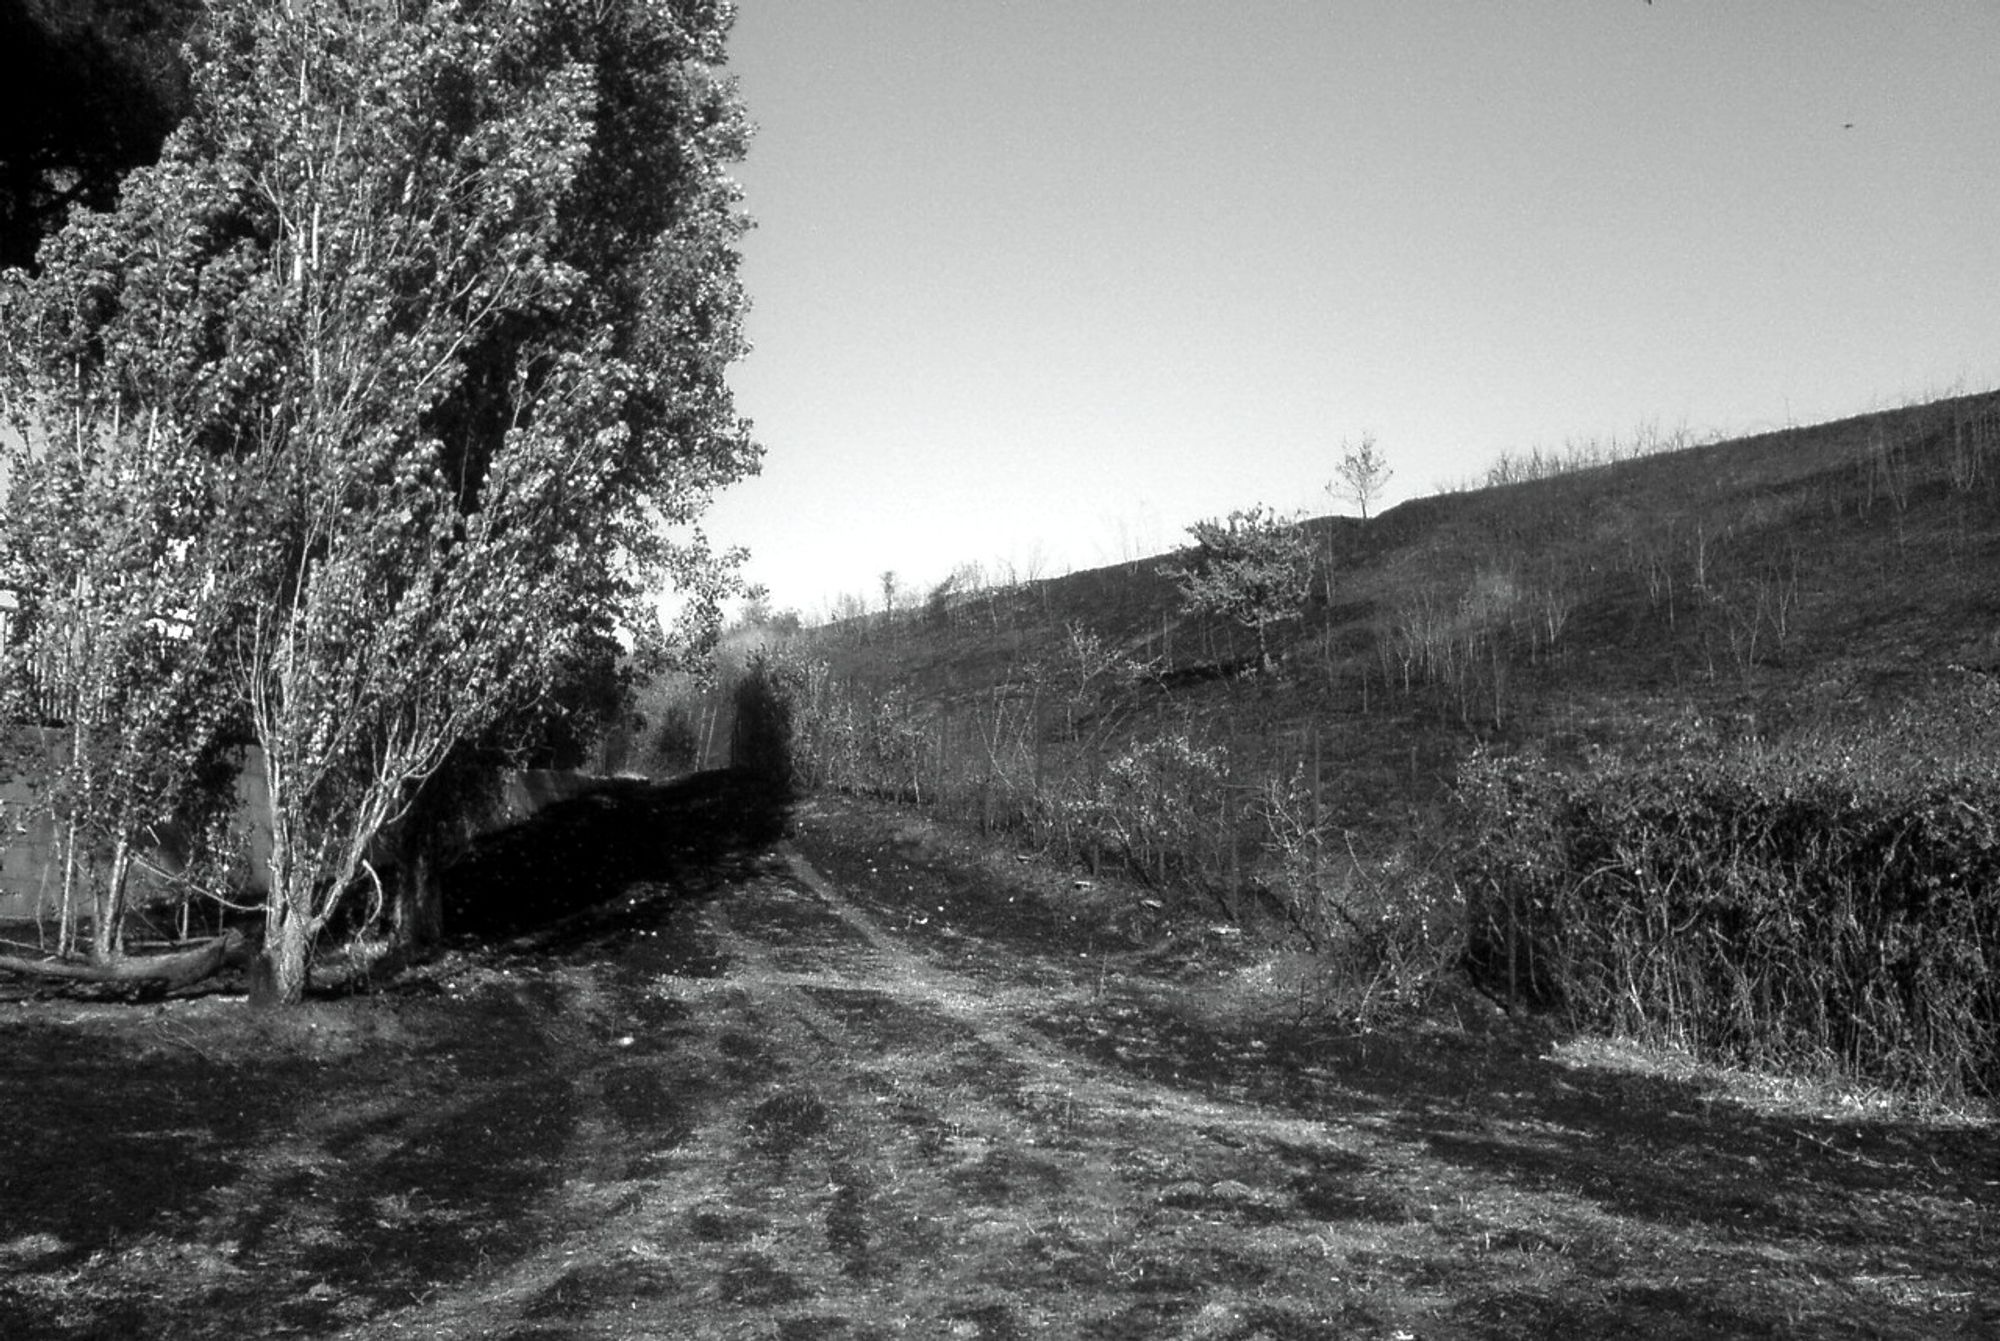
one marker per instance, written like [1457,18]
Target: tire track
[979,1112]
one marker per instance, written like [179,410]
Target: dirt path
[910,1155]
[889,1119]
[872,1081]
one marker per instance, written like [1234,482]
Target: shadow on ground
[183,1169]
[568,874]
[163,1170]
[167,1167]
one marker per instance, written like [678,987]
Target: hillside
[1810,578]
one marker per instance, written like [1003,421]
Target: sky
[1036,284]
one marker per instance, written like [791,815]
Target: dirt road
[871,1081]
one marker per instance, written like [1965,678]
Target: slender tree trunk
[66,920]
[278,975]
[107,938]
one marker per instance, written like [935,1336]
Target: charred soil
[713,1069]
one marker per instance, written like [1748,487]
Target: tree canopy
[1255,567]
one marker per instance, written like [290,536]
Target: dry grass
[1770,583]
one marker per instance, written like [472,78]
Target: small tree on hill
[1362,475]
[1255,568]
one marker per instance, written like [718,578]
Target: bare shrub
[1384,932]
[1153,802]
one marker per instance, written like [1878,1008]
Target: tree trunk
[66,932]
[170,970]
[107,938]
[278,975]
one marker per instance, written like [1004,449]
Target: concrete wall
[31,874]
[30,866]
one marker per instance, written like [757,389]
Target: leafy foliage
[107,551]
[1255,568]
[1150,800]
[438,301]
[88,90]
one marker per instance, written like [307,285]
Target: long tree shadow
[606,861]
[161,1169]
[158,1172]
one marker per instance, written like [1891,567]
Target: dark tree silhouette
[89,89]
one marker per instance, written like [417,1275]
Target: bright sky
[1047,280]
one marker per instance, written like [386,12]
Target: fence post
[1318,805]
[1038,749]
[1229,840]
[941,790]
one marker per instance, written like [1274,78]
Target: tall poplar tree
[443,292]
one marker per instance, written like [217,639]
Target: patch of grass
[780,1125]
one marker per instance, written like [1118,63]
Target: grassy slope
[1812,576]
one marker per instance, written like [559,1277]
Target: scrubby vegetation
[1182,813]
[1811,907]
[1689,742]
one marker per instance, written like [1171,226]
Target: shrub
[673,741]
[1154,801]
[761,743]
[1254,568]
[799,727]
[1797,906]
[1383,931]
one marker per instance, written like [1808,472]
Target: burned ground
[703,1073]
